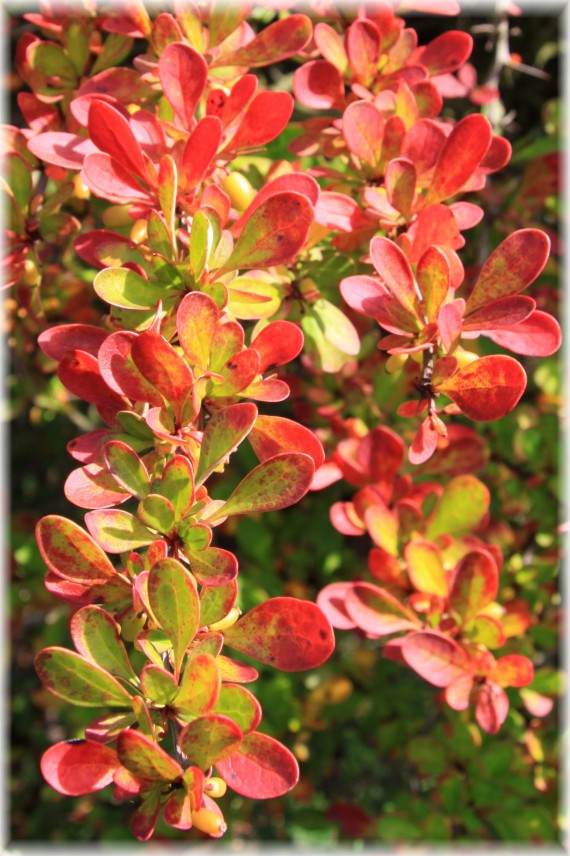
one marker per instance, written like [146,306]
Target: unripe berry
[215,787]
[239,190]
[396,363]
[116,216]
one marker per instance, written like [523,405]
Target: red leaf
[363,129]
[278,343]
[319,85]
[487,389]
[516,262]
[111,133]
[537,336]
[273,234]
[199,151]
[289,634]
[438,660]
[424,443]
[99,244]
[92,486]
[331,601]
[513,670]
[445,53]
[273,435]
[79,372]
[262,768]
[209,739]
[297,182]
[105,177]
[491,707]
[183,73]
[120,372]
[66,150]
[163,367]
[276,42]
[363,42]
[501,313]
[460,156]
[395,272]
[375,610]
[363,293]
[56,342]
[266,117]
[78,767]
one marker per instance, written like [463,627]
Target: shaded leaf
[175,604]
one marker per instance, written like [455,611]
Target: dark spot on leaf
[323,634]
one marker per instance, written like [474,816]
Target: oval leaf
[262,768]
[73,678]
[289,634]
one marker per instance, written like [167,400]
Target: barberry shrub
[141,178]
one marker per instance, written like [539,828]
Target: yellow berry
[116,216]
[31,275]
[80,189]
[208,821]
[139,232]
[239,190]
[396,363]
[215,787]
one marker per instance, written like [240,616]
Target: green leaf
[224,432]
[157,684]
[73,678]
[461,507]
[338,330]
[209,739]
[276,483]
[167,190]
[96,635]
[216,602]
[175,605]
[126,289]
[201,242]
[127,468]
[200,685]
[117,531]
[177,485]
[157,512]
[240,705]
[141,756]
[71,553]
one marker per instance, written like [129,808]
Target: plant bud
[208,821]
[239,190]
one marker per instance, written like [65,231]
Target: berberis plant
[344,256]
